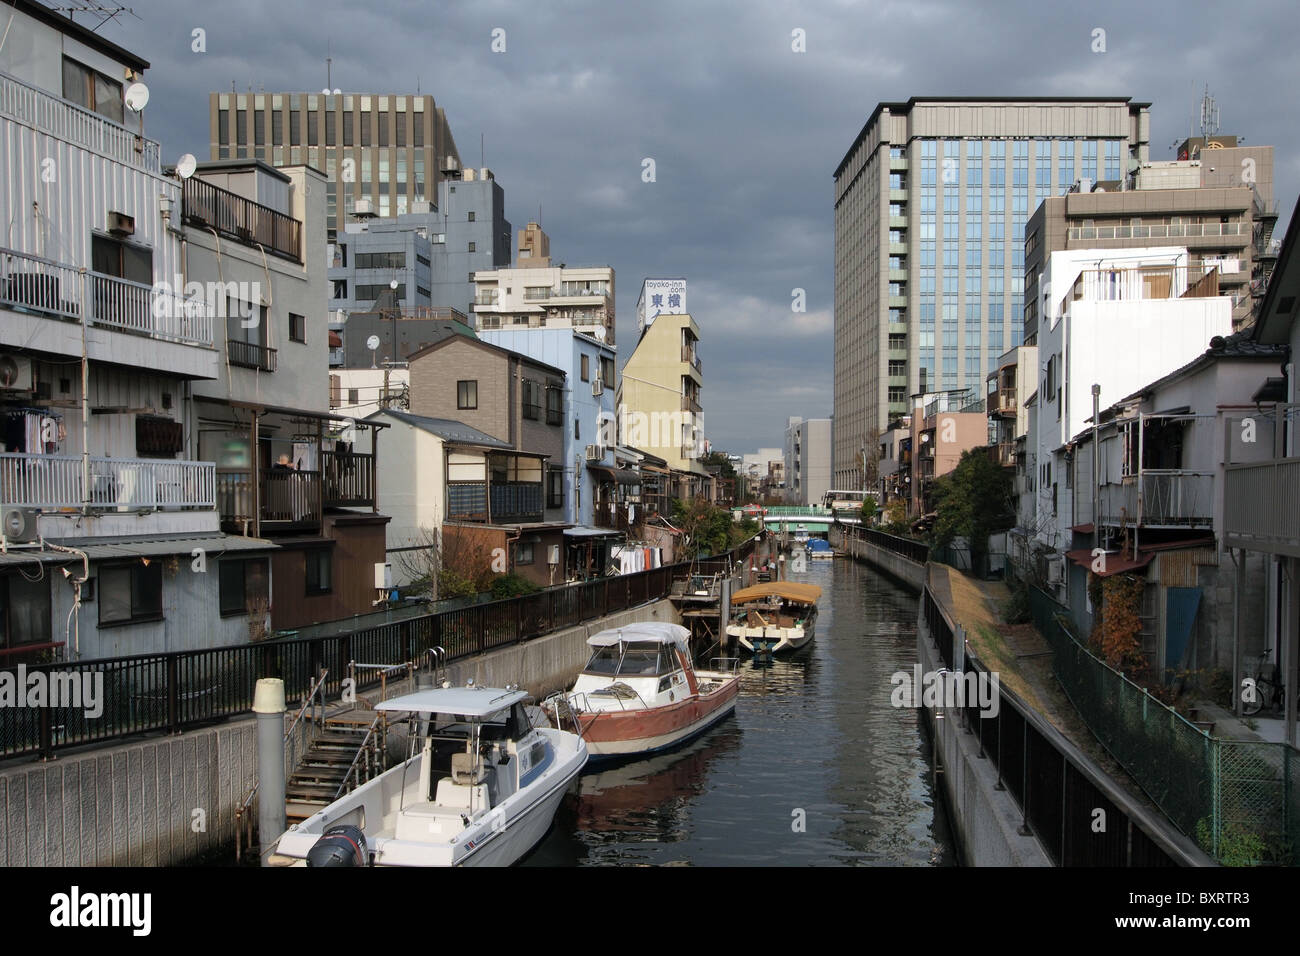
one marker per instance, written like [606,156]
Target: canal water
[814,768]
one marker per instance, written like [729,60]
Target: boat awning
[786,590]
[656,632]
[469,701]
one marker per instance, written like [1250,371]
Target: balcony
[1159,499]
[692,358]
[1003,454]
[251,355]
[1259,510]
[209,206]
[57,117]
[1003,403]
[55,482]
[691,404]
[487,298]
[293,500]
[63,291]
[511,501]
[1160,231]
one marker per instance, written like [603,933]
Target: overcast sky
[745,133]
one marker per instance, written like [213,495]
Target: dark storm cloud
[744,132]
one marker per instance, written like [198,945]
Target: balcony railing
[251,355]
[55,482]
[1003,402]
[288,497]
[1160,231]
[692,358]
[349,480]
[206,205]
[1259,506]
[1003,454]
[44,286]
[516,501]
[74,124]
[1169,499]
[691,404]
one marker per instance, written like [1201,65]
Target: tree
[896,517]
[707,529]
[869,509]
[973,501]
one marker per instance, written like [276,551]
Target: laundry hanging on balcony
[33,431]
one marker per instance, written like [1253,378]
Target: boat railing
[555,700]
[724,665]
[385,671]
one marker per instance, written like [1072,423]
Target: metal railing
[251,355]
[349,479]
[56,481]
[44,286]
[291,495]
[1259,505]
[173,690]
[57,117]
[1160,231]
[204,204]
[1160,499]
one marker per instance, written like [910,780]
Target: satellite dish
[393,285]
[186,165]
[137,96]
[372,343]
[328,92]
[599,333]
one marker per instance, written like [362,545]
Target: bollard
[724,615]
[268,705]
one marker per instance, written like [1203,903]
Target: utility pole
[1096,467]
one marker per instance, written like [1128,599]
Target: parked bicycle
[1264,688]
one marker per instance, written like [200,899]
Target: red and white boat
[640,694]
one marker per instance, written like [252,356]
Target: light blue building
[590,435]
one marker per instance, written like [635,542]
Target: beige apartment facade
[658,403]
[931,202]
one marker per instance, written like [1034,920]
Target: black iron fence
[168,692]
[909,548]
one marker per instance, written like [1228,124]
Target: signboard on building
[660,297]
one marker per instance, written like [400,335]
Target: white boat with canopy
[480,788]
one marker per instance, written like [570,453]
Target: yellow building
[659,394]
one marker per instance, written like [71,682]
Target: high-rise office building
[931,202]
[384,151]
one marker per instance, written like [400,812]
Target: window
[607,372]
[467,393]
[417,129]
[532,400]
[259,127]
[383,129]
[223,127]
[242,583]
[381,260]
[94,91]
[25,611]
[471,216]
[347,129]
[365,129]
[158,437]
[555,488]
[352,396]
[554,405]
[586,368]
[524,553]
[320,568]
[473,247]
[125,260]
[295,127]
[577,431]
[130,592]
[297,327]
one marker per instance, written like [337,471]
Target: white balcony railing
[55,482]
[34,284]
[64,120]
[1169,499]
[1190,230]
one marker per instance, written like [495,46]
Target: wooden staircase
[348,749]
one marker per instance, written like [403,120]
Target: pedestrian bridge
[814,518]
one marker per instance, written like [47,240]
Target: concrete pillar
[724,613]
[268,705]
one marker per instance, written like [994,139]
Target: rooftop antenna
[481,161]
[1209,115]
[104,12]
[329,65]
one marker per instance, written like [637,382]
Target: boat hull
[776,640]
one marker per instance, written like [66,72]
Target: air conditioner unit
[15,373]
[597,387]
[20,525]
[120,224]
[363,207]
[595,453]
[1054,570]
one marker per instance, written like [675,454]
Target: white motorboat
[480,788]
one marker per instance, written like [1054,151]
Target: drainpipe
[1096,467]
[85,398]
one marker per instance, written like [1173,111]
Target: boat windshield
[632,659]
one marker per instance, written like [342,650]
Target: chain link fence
[1237,799]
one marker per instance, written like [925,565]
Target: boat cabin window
[633,659]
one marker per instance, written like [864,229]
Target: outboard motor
[343,845]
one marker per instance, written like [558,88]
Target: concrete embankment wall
[985,820]
[911,573]
[133,804]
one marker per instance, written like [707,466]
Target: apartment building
[1219,205]
[931,202]
[431,252]
[945,425]
[807,459]
[385,152]
[894,463]
[1009,387]
[536,294]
